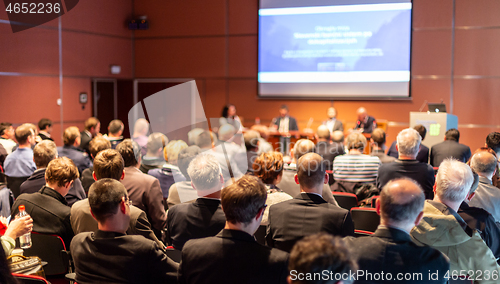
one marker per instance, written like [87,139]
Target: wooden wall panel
[431,52]
[476,52]
[478,13]
[30,51]
[432,13]
[181,18]
[91,55]
[180,58]
[477,101]
[242,19]
[242,63]
[101,17]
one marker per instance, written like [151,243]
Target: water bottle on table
[24,240]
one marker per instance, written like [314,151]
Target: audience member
[493,142]
[109,255]
[291,220]
[423,152]
[326,149]
[193,135]
[96,145]
[264,146]
[71,140]
[268,167]
[449,148]
[390,249]
[141,130]
[143,189]
[183,191]
[229,116]
[115,130]
[207,260]
[486,196]
[154,154]
[378,144]
[480,220]
[442,228]
[92,130]
[332,123]
[317,253]
[43,153]
[355,166]
[204,217]
[109,163]
[284,122]
[408,144]
[19,165]
[45,127]
[7,136]
[169,173]
[47,207]
[288,182]
[365,123]
[246,159]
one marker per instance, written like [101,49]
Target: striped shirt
[356,168]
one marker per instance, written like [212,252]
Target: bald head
[141,127]
[311,172]
[484,164]
[401,201]
[338,136]
[226,132]
[302,147]
[331,112]
[323,132]
[361,112]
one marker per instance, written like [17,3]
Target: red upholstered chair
[374,200]
[346,200]
[174,254]
[29,279]
[50,248]
[365,219]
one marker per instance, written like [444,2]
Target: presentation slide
[335,50]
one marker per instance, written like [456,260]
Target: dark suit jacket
[232,257]
[484,223]
[37,180]
[111,257]
[306,214]
[85,139]
[44,137]
[145,193]
[449,149]
[87,179]
[80,158]
[82,221]
[368,126]
[392,251]
[49,210]
[200,219]
[292,123]
[422,173]
[329,151]
[422,156]
[385,159]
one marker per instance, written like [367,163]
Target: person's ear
[327,178]
[68,184]
[434,188]
[123,206]
[377,206]
[289,280]
[296,177]
[123,175]
[92,213]
[397,148]
[419,218]
[470,196]
[93,175]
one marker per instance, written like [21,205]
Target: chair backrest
[374,201]
[29,279]
[174,254]
[365,219]
[14,184]
[50,248]
[346,200]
